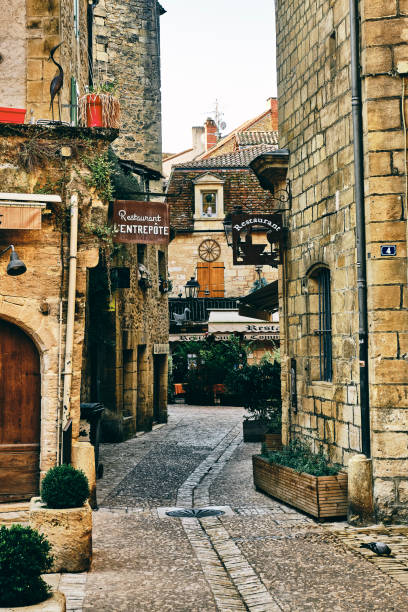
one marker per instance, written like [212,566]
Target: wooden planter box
[320,496]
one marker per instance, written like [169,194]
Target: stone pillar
[360,490]
[83,458]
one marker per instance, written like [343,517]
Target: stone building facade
[230,176]
[45,167]
[127,52]
[315,124]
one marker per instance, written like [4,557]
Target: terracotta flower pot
[12,115]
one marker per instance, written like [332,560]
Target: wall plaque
[247,248]
[161,349]
[141,222]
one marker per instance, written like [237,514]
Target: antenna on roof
[218,117]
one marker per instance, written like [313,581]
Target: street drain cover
[194,512]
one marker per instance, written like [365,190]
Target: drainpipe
[69,339]
[360,226]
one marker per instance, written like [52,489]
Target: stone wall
[383,46]
[313,62]
[48,24]
[33,300]
[127,36]
[13,53]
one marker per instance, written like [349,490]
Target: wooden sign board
[141,222]
[20,217]
[245,228]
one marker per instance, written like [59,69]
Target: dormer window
[208,198]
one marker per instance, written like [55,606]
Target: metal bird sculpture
[181,318]
[378,547]
[56,83]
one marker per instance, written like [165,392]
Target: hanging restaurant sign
[250,245]
[141,222]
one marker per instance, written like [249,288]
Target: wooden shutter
[217,279]
[203,277]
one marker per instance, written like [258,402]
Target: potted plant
[24,556]
[100,107]
[303,479]
[63,515]
[259,388]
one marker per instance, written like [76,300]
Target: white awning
[231,320]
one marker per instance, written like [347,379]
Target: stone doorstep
[12,513]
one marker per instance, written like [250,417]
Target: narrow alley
[260,555]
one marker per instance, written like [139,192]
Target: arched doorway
[20,414]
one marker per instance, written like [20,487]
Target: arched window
[321,328]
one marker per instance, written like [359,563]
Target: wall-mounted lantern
[192,288]
[15,266]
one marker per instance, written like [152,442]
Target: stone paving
[260,556]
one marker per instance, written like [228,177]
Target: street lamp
[15,266]
[192,287]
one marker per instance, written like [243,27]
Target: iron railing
[198,308]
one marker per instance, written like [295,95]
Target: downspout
[356,102]
[69,339]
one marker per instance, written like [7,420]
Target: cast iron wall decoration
[245,228]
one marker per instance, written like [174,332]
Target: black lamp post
[15,266]
[192,287]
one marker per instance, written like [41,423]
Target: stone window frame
[208,183]
[320,335]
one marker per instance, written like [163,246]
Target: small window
[324,332]
[209,203]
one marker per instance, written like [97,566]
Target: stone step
[14,513]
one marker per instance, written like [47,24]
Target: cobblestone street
[259,556]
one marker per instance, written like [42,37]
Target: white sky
[215,49]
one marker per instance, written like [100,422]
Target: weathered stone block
[68,530]
[390,445]
[373,9]
[376,59]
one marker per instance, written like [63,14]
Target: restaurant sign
[141,222]
[251,234]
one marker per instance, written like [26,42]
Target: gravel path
[260,556]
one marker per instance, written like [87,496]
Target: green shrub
[259,387]
[24,556]
[298,456]
[64,487]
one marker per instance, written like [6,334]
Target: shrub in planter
[259,388]
[64,487]
[299,456]
[24,556]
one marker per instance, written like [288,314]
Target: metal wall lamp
[271,168]
[15,266]
[192,288]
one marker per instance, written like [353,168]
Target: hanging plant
[100,107]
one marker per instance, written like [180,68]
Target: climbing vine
[100,178]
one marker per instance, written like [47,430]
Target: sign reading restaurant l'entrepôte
[141,222]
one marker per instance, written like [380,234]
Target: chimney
[274,113]
[210,134]
[198,139]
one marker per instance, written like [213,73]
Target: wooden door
[20,404]
[210,276]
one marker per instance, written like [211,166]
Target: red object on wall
[93,111]
[12,115]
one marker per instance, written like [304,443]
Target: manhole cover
[194,512]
